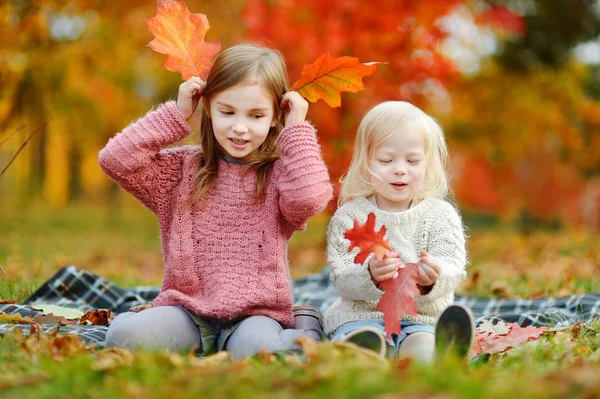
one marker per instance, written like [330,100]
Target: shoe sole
[368,338]
[455,331]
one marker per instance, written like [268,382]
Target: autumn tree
[86,65]
[407,35]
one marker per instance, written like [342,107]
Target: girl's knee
[253,335]
[123,331]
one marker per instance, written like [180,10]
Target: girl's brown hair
[244,63]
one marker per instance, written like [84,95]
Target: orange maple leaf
[179,34]
[398,298]
[368,240]
[327,77]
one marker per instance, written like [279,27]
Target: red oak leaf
[398,298]
[179,34]
[368,240]
[327,77]
[503,337]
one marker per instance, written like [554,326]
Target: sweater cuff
[371,292]
[295,138]
[170,115]
[445,285]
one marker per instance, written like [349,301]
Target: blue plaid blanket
[77,288]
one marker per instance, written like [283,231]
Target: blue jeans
[408,328]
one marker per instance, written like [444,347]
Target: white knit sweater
[433,225]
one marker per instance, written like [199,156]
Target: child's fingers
[285,101]
[388,276]
[386,269]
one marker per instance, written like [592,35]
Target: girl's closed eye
[226,112]
[385,160]
[414,161]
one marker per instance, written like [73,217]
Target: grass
[123,245]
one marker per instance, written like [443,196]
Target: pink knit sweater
[226,259]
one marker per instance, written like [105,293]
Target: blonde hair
[243,63]
[383,122]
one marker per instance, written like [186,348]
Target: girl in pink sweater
[226,208]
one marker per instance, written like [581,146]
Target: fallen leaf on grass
[8,382]
[99,317]
[112,358]
[499,328]
[58,311]
[501,289]
[215,360]
[497,339]
[16,318]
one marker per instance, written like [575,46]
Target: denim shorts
[407,328]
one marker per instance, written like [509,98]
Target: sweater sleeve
[303,182]
[446,244]
[134,159]
[352,281]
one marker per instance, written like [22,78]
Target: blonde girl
[226,208]
[398,172]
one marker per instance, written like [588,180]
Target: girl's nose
[400,168]
[239,128]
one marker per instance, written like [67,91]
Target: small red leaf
[368,240]
[398,298]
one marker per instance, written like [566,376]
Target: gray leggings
[172,328]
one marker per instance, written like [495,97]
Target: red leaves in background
[368,240]
[503,18]
[400,291]
[327,77]
[179,34]
[499,338]
[398,298]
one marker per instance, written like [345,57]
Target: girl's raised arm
[304,185]
[133,158]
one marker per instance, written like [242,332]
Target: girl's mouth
[399,186]
[239,143]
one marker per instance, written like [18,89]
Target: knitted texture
[225,256]
[433,225]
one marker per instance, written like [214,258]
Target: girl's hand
[139,308]
[295,107]
[429,270]
[188,98]
[384,269]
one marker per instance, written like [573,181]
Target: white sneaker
[368,337]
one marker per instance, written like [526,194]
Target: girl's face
[398,167]
[241,118]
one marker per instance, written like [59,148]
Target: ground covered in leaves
[122,244]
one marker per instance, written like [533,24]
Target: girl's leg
[160,328]
[260,333]
[419,346]
[309,320]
